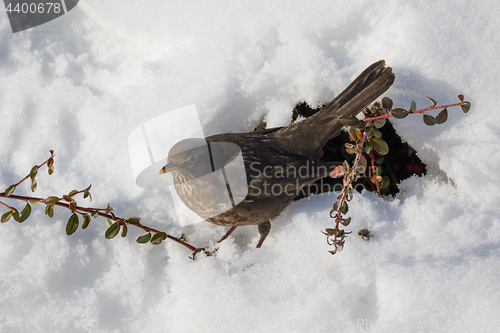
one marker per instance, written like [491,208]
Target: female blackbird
[276,162]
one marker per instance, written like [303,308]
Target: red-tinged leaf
[461,97]
[337,172]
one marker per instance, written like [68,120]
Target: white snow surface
[81,83]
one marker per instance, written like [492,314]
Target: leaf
[51,169]
[6,216]
[465,107]
[399,113]
[413,106]
[461,97]
[337,172]
[109,221]
[112,231]
[33,184]
[380,146]
[379,123]
[35,203]
[86,221]
[15,213]
[429,120]
[432,101]
[72,193]
[144,238]
[72,206]
[355,134]
[346,222]
[345,208]
[10,190]
[348,121]
[134,220]
[50,162]
[350,148]
[72,225]
[367,148]
[331,232]
[442,116]
[67,198]
[387,103]
[385,182]
[33,172]
[158,238]
[51,200]
[25,213]
[361,165]
[49,210]
[124,231]
[95,213]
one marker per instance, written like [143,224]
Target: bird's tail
[315,131]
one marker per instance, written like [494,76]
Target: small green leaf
[25,213]
[379,160]
[432,101]
[387,103]
[380,146]
[72,206]
[346,222]
[134,220]
[345,208]
[33,184]
[348,121]
[367,148]
[109,221]
[158,238]
[33,172]
[35,203]
[379,123]
[429,120]
[86,221]
[10,190]
[51,200]
[49,210]
[51,169]
[6,216]
[465,107]
[385,182]
[399,113]
[95,213]
[72,193]
[112,231]
[124,231]
[72,225]
[442,116]
[15,213]
[144,238]
[50,162]
[377,134]
[413,106]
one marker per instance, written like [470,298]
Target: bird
[277,162]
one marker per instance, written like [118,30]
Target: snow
[81,83]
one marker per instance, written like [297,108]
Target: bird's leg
[264,229]
[229,232]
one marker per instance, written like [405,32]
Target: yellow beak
[168,168]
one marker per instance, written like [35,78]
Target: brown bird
[238,179]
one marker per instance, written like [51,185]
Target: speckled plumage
[272,157]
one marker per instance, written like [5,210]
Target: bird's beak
[168,168]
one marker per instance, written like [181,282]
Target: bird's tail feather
[324,125]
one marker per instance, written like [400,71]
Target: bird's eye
[191,159]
